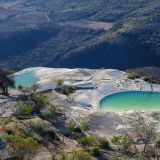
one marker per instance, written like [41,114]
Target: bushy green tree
[6,80]
[40,100]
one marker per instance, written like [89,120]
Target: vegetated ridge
[70,33]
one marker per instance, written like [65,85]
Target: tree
[39,99]
[140,130]
[6,80]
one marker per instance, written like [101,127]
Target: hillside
[65,33]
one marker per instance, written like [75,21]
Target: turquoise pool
[26,79]
[131,100]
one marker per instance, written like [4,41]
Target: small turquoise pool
[131,100]
[26,79]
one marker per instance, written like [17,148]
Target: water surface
[26,79]
[131,100]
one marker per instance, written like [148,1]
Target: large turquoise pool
[26,79]
[131,100]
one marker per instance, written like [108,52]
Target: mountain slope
[67,33]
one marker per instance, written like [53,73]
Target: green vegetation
[147,79]
[123,142]
[6,80]
[21,147]
[103,143]
[52,112]
[40,100]
[84,125]
[37,127]
[133,75]
[75,155]
[65,89]
[135,22]
[23,109]
[59,82]
[86,141]
[6,121]
[95,151]
[20,87]
[70,126]
[69,89]
[157,143]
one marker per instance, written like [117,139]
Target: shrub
[67,133]
[41,99]
[65,89]
[70,126]
[37,127]
[27,133]
[95,151]
[133,75]
[80,155]
[23,109]
[69,89]
[139,156]
[86,141]
[6,120]
[103,143]
[59,82]
[75,155]
[84,125]
[146,79]
[122,141]
[43,130]
[20,87]
[53,110]
[21,147]
[157,144]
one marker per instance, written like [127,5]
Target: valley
[102,30]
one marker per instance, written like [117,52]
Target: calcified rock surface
[86,101]
[102,82]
